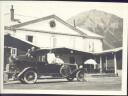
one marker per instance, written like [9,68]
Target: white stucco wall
[39,39]
[65,41]
[93,45]
[45,40]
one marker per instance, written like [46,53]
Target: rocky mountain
[108,25]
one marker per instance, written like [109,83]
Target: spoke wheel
[30,77]
[65,70]
[80,76]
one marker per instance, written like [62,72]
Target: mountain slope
[108,25]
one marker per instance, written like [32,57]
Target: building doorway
[72,60]
[9,51]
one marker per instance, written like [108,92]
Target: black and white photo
[64,47]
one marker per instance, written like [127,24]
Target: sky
[62,9]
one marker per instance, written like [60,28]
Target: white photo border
[69,92]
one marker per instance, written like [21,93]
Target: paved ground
[92,83]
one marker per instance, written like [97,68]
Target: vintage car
[28,70]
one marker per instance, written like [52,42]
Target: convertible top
[63,50]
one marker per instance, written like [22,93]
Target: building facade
[52,32]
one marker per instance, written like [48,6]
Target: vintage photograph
[63,46]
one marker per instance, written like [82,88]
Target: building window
[14,51]
[52,24]
[91,46]
[54,42]
[29,38]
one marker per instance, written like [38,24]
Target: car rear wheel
[30,77]
[80,76]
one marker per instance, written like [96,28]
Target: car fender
[80,69]
[24,70]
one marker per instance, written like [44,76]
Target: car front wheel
[65,71]
[80,76]
[70,78]
[30,77]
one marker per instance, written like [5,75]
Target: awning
[90,61]
[109,51]
[64,50]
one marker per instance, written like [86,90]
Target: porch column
[106,63]
[115,64]
[76,63]
[100,64]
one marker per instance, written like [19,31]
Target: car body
[28,70]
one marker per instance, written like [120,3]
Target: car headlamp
[80,66]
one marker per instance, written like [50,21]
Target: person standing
[28,53]
[51,57]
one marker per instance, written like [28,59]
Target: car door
[52,68]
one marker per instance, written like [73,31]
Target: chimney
[12,13]
[74,22]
